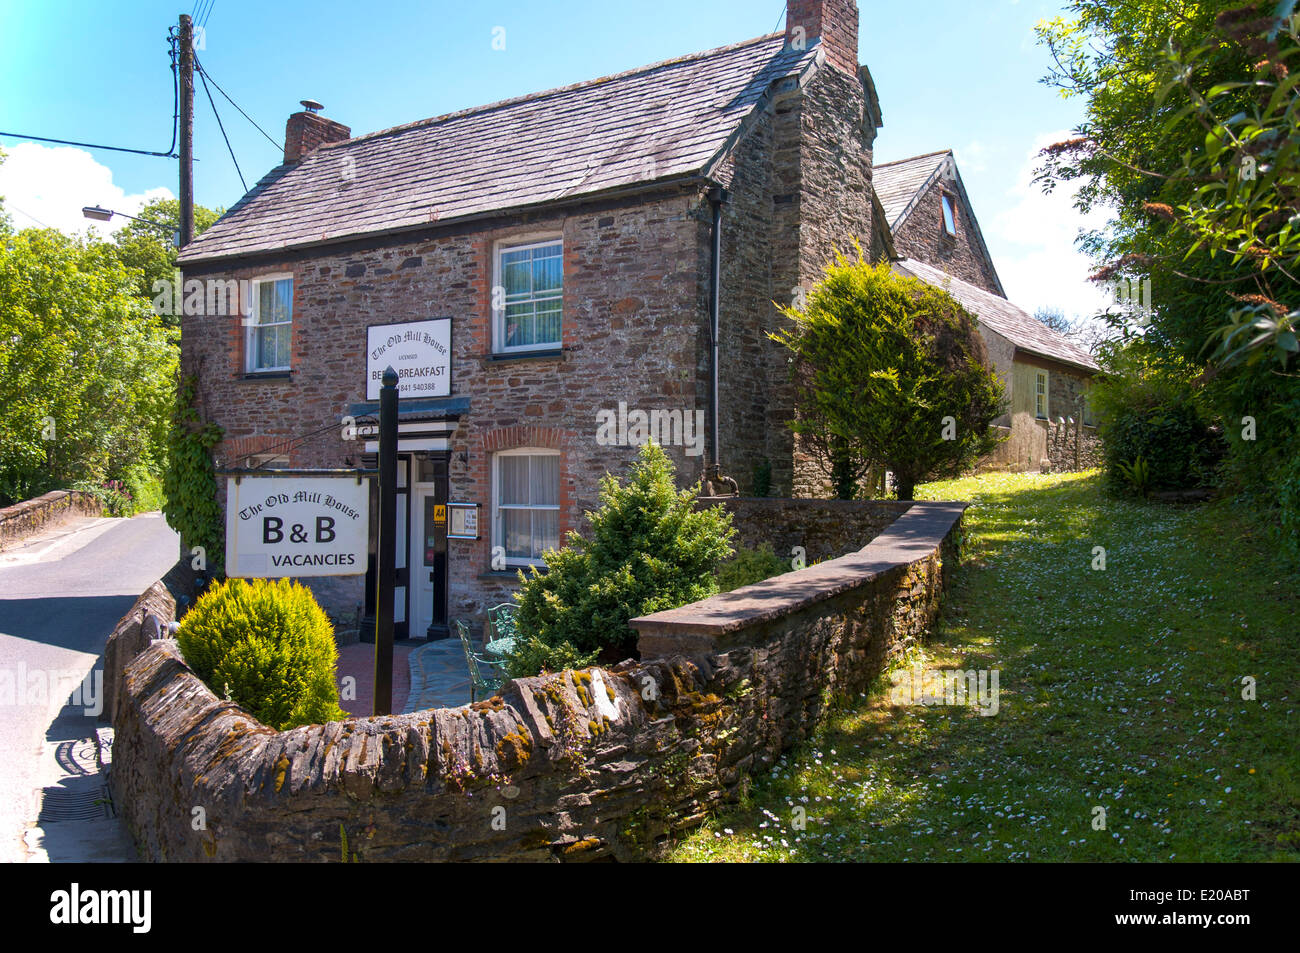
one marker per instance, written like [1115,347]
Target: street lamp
[99,214]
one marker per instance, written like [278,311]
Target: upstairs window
[949,216]
[270,325]
[527,296]
[1040,394]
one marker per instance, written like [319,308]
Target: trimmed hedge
[268,646]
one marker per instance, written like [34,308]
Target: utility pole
[186,40]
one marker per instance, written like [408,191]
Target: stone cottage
[599,264]
[936,238]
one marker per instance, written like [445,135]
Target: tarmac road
[61,594]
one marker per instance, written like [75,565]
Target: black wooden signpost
[386,549]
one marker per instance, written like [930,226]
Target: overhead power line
[222,127]
[171,150]
[204,71]
[88,145]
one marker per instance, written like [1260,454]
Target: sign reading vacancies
[420,352]
[287,525]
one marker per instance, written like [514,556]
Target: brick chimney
[834,22]
[307,131]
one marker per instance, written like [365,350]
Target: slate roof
[997,313]
[899,184]
[666,121]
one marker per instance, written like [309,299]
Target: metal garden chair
[484,676]
[503,620]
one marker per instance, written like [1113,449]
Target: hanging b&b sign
[420,352]
[284,524]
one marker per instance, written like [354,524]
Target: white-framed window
[526,504]
[269,325]
[949,215]
[1040,394]
[528,306]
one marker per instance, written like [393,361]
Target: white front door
[423,515]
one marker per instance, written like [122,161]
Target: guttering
[718,196]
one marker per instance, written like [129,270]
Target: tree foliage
[85,366]
[150,251]
[1190,137]
[894,370]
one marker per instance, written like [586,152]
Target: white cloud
[49,185]
[973,157]
[1037,258]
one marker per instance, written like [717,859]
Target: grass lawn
[1119,689]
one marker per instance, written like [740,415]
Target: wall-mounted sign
[289,525]
[419,351]
[464,521]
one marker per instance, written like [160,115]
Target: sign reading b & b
[287,525]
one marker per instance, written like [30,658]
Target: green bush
[532,656]
[145,487]
[749,566]
[114,497]
[268,646]
[892,372]
[1147,409]
[649,550]
[1288,498]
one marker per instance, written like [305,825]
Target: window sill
[267,376]
[508,356]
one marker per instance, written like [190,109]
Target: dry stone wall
[600,763]
[823,529]
[30,516]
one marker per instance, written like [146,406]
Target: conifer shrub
[648,549]
[749,566]
[268,646]
[889,372]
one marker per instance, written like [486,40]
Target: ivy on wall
[190,482]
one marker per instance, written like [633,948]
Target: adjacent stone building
[576,250]
[936,237]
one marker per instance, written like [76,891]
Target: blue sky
[950,74]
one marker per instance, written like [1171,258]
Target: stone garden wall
[1073,447]
[25,518]
[825,529]
[601,763]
